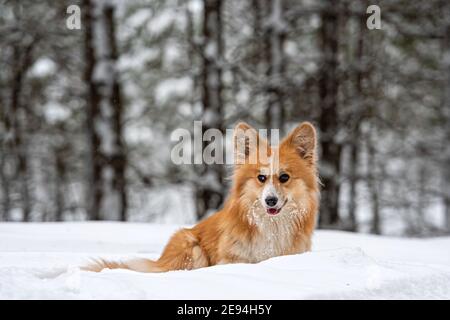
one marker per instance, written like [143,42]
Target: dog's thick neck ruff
[271,236]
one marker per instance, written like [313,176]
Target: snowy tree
[329,114]
[210,191]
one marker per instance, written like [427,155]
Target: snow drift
[40,261]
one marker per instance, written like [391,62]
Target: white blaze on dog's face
[281,179]
[272,197]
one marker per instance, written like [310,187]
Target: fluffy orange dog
[271,209]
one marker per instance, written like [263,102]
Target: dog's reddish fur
[242,232]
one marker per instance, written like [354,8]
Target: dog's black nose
[271,201]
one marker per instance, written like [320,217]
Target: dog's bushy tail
[183,252]
[138,264]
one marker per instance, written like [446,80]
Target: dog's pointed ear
[304,139]
[246,141]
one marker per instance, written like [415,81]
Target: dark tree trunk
[446,161]
[60,183]
[107,162]
[274,36]
[21,62]
[260,50]
[4,151]
[372,184]
[210,191]
[447,212]
[352,207]
[357,118]
[329,117]
[117,160]
[94,192]
[422,199]
[5,183]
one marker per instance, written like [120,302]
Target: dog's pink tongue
[272,211]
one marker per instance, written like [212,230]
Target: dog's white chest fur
[275,234]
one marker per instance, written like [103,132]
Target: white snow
[43,67]
[40,261]
[172,88]
[55,112]
[160,23]
[140,18]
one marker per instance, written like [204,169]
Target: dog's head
[280,180]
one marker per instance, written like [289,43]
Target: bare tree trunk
[373,185]
[261,50]
[269,30]
[117,159]
[328,120]
[209,189]
[275,34]
[421,199]
[352,205]
[94,191]
[107,184]
[14,143]
[60,178]
[21,63]
[447,208]
[4,180]
[357,117]
[447,213]
[446,111]
[23,172]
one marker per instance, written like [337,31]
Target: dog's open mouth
[275,211]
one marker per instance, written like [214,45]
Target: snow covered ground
[39,261]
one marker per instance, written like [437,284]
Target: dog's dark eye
[262,178]
[283,178]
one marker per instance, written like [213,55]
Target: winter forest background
[86,115]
